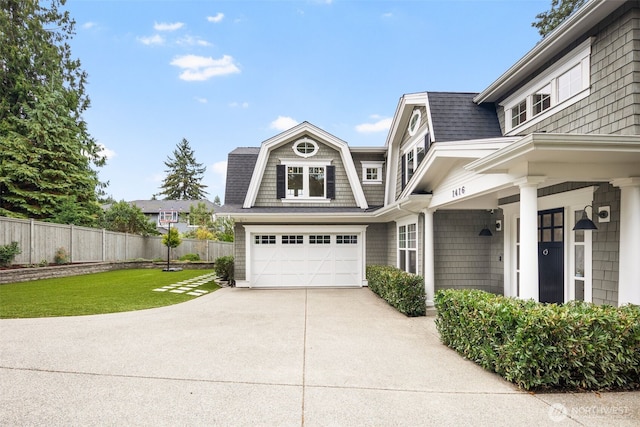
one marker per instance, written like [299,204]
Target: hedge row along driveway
[577,346]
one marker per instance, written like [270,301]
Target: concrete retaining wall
[36,273]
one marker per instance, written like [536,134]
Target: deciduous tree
[125,218]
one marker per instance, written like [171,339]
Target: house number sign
[457,192]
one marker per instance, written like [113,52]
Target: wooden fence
[39,242]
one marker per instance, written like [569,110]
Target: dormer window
[372,172]
[305,147]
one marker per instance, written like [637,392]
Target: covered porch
[532,190]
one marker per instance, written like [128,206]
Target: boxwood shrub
[400,289]
[578,345]
[224,268]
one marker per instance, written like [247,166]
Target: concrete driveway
[312,357]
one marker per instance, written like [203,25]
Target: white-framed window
[564,83]
[519,113]
[415,121]
[305,147]
[372,172]
[306,182]
[411,158]
[408,247]
[542,100]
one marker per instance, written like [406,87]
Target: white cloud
[379,126]
[106,152]
[283,123]
[202,100]
[239,105]
[192,41]
[89,25]
[215,19]
[163,26]
[155,39]
[199,68]
[219,168]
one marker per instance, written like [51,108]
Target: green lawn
[110,292]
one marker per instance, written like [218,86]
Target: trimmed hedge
[576,345]
[402,290]
[225,268]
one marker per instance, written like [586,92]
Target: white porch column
[429,255]
[529,286]
[629,267]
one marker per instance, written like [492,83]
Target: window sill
[307,200]
[372,182]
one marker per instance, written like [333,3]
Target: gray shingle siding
[240,259]
[464,260]
[613,105]
[374,193]
[606,247]
[267,192]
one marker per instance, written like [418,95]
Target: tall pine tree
[184,175]
[47,156]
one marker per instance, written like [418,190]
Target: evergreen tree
[47,155]
[216,201]
[560,10]
[184,175]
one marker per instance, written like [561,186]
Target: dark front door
[551,255]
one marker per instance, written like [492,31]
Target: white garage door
[316,258]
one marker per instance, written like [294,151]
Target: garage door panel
[315,260]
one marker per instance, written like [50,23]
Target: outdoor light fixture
[585,223]
[485,232]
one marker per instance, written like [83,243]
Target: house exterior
[152,209]
[556,136]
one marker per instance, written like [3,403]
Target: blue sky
[226,74]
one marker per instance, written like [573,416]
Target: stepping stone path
[190,286]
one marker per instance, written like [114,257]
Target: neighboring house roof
[154,206]
[240,165]
[455,117]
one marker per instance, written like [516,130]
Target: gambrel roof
[240,164]
[301,130]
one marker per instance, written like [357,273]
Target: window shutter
[280,181]
[403,163]
[331,182]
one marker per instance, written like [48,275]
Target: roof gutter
[573,27]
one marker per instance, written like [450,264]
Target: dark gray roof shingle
[240,164]
[455,117]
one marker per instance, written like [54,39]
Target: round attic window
[305,147]
[414,122]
